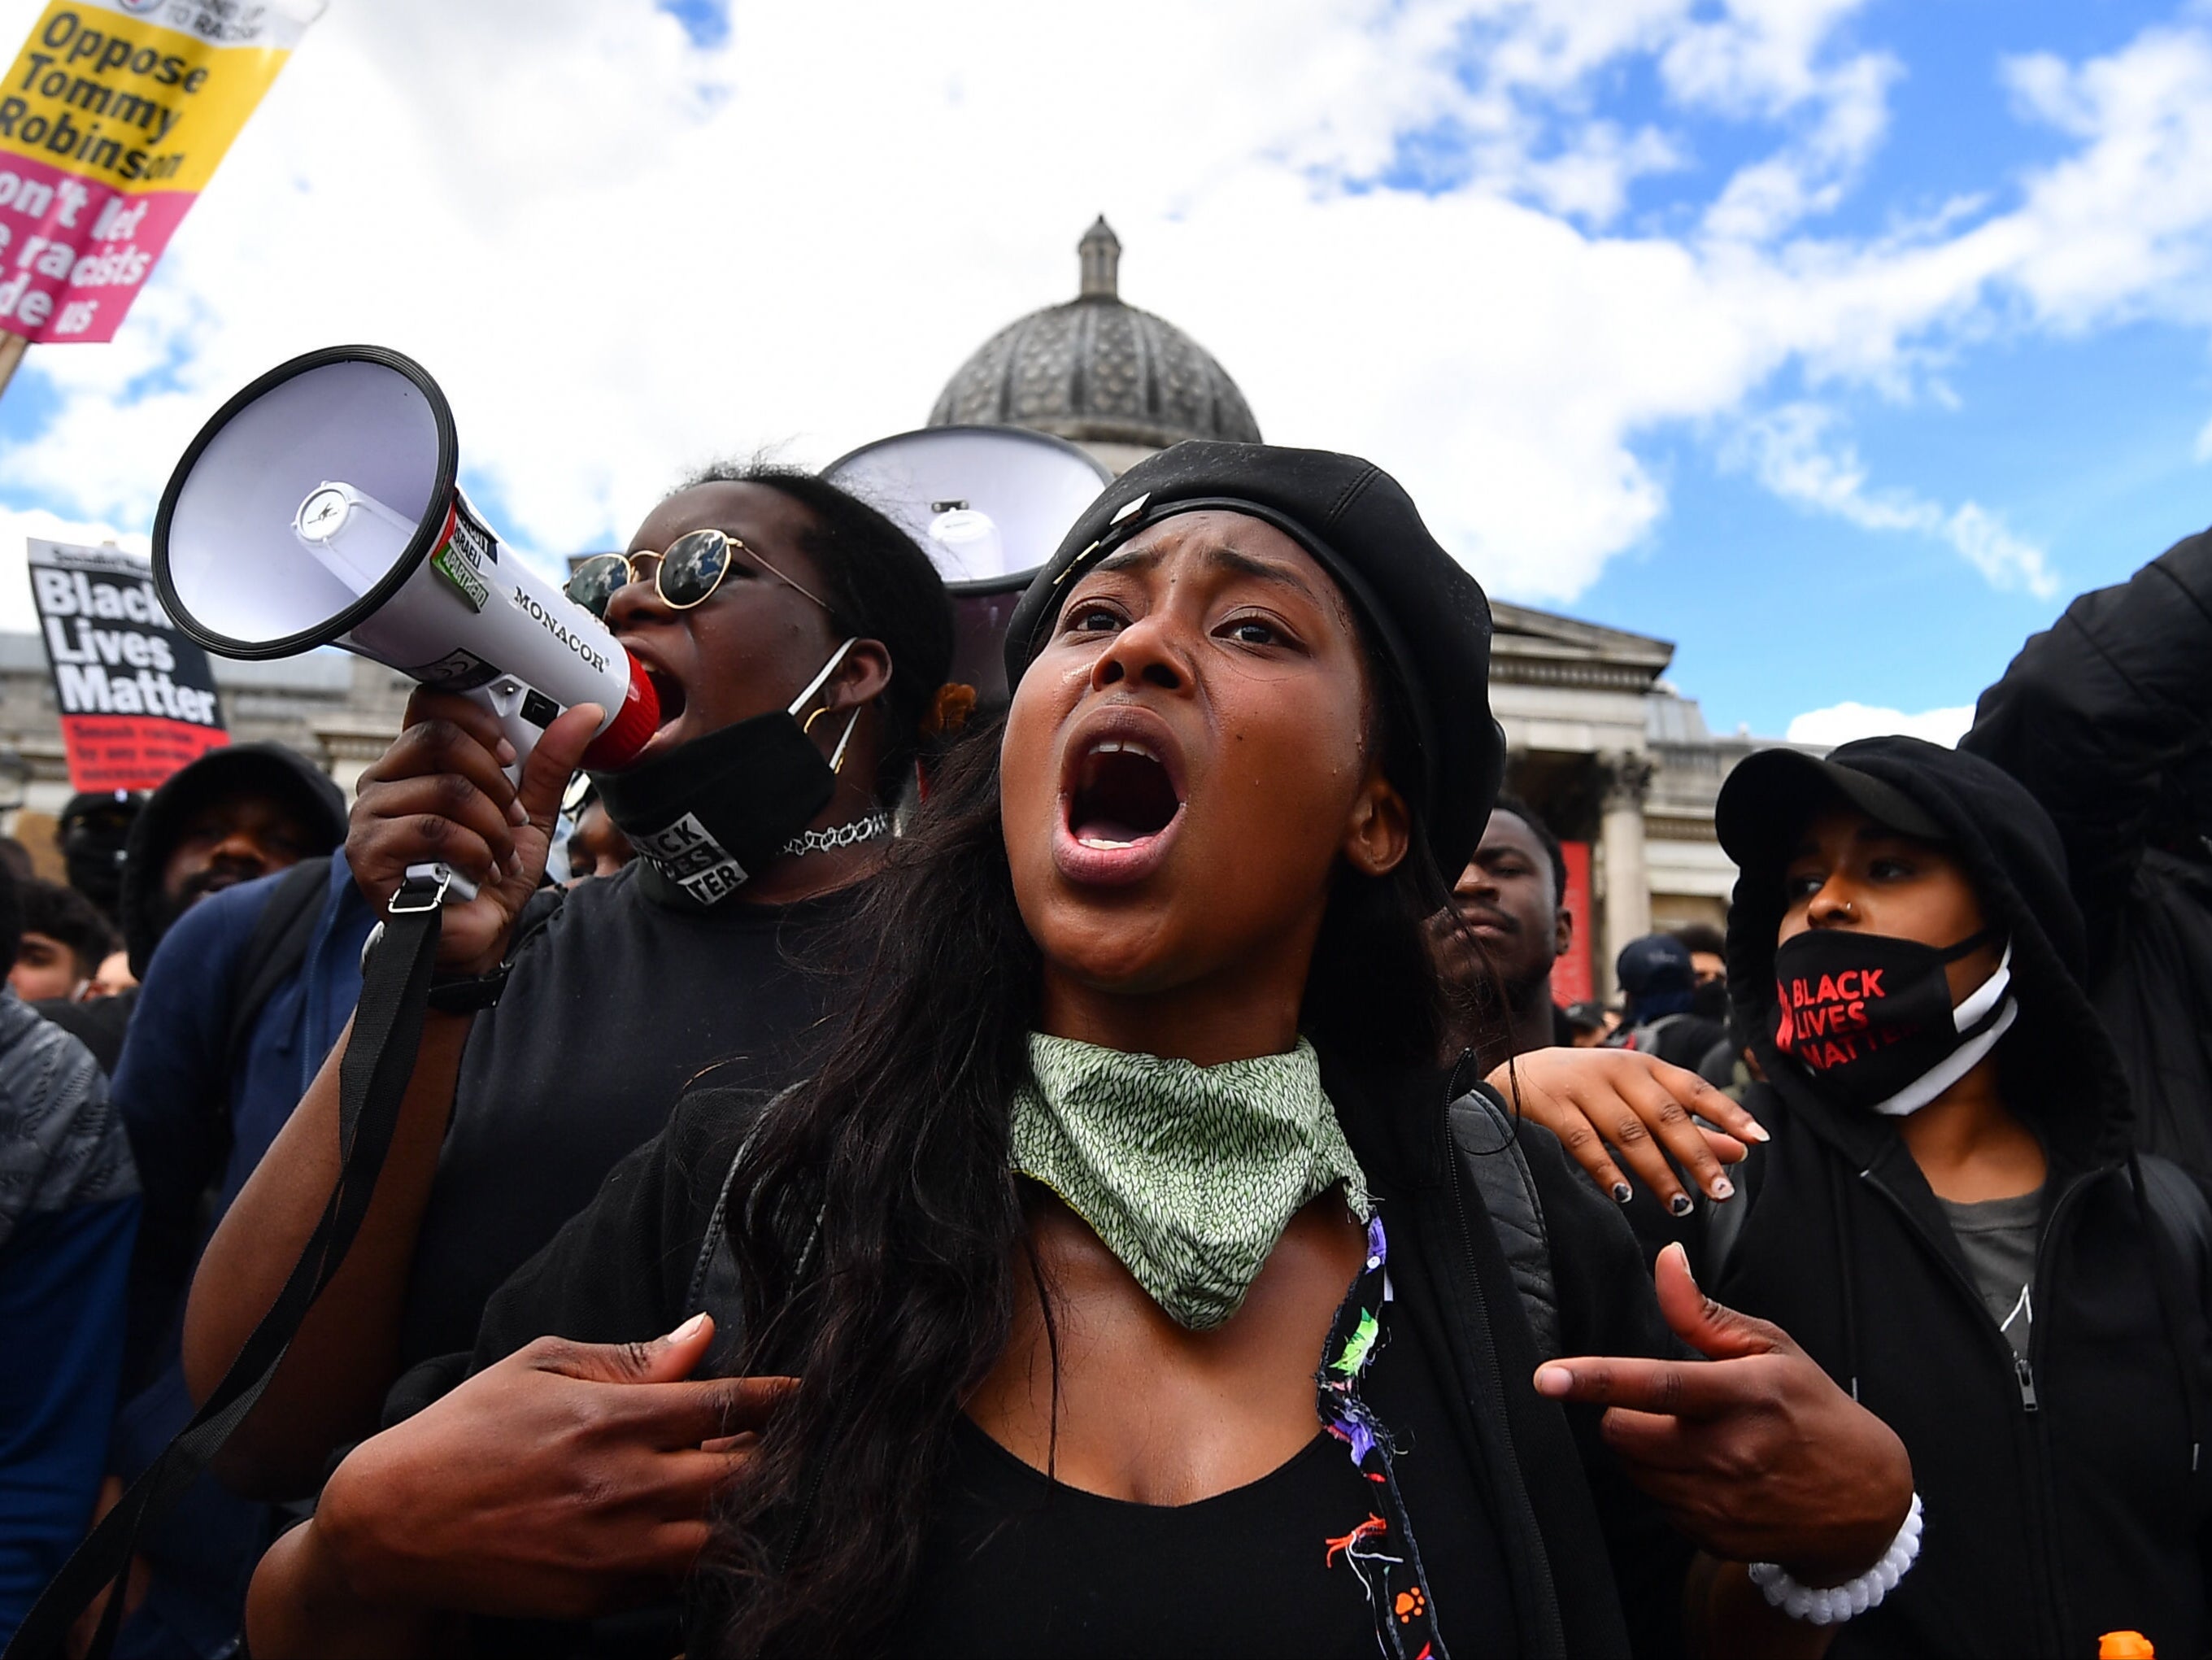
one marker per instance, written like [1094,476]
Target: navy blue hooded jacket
[200,1118]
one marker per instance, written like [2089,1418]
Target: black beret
[1425,612]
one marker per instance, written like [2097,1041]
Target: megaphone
[319,507]
[988,505]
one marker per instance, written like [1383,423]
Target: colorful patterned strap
[1380,1550]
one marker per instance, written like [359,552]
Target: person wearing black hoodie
[2107,717]
[236,813]
[1950,1216]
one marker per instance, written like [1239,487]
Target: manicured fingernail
[1622,1193]
[513,864]
[517,814]
[1722,1187]
[505,752]
[689,1328]
[1554,1380]
[1756,1131]
[1680,1205]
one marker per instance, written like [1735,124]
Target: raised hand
[1641,1107]
[438,793]
[1754,1453]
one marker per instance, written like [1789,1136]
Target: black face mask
[704,817]
[1710,1001]
[1870,1017]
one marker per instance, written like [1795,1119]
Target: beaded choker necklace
[866,829]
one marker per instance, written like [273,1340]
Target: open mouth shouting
[1121,800]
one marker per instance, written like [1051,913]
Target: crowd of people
[1110,1174]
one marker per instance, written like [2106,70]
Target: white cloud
[621,253]
[1792,452]
[2124,226]
[1842,722]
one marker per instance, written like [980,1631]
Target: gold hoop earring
[809,728]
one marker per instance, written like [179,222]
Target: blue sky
[1837,340]
[1775,609]
[2088,443]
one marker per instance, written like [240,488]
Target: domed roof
[1098,372]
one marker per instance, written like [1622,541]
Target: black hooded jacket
[2065,1494]
[239,769]
[2107,717]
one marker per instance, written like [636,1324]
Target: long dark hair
[882,1229]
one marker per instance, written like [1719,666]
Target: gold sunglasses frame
[733,545]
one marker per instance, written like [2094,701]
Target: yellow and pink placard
[112,119]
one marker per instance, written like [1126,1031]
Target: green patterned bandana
[1188,1173]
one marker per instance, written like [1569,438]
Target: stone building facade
[1619,761]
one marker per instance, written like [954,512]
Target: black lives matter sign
[138,699]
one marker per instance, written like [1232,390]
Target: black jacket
[236,769]
[1582,1545]
[2107,719]
[2066,1493]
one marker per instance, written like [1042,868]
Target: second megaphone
[319,507]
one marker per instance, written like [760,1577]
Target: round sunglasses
[686,573]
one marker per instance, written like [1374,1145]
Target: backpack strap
[1485,1141]
[714,1286]
[274,951]
[1644,1039]
[2184,1212]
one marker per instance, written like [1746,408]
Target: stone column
[1626,778]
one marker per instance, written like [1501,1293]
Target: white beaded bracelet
[1831,1605]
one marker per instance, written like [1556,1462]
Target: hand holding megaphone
[320,508]
[443,794]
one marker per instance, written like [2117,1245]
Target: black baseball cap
[1771,793]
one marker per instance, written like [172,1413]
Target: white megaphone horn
[988,505]
[319,507]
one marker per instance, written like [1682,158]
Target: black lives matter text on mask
[137,700]
[1826,1021]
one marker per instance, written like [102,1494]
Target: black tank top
[1309,1560]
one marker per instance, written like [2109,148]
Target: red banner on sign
[1571,974]
[131,752]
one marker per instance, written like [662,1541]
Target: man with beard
[247,937]
[234,814]
[1511,898]
[1630,1114]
